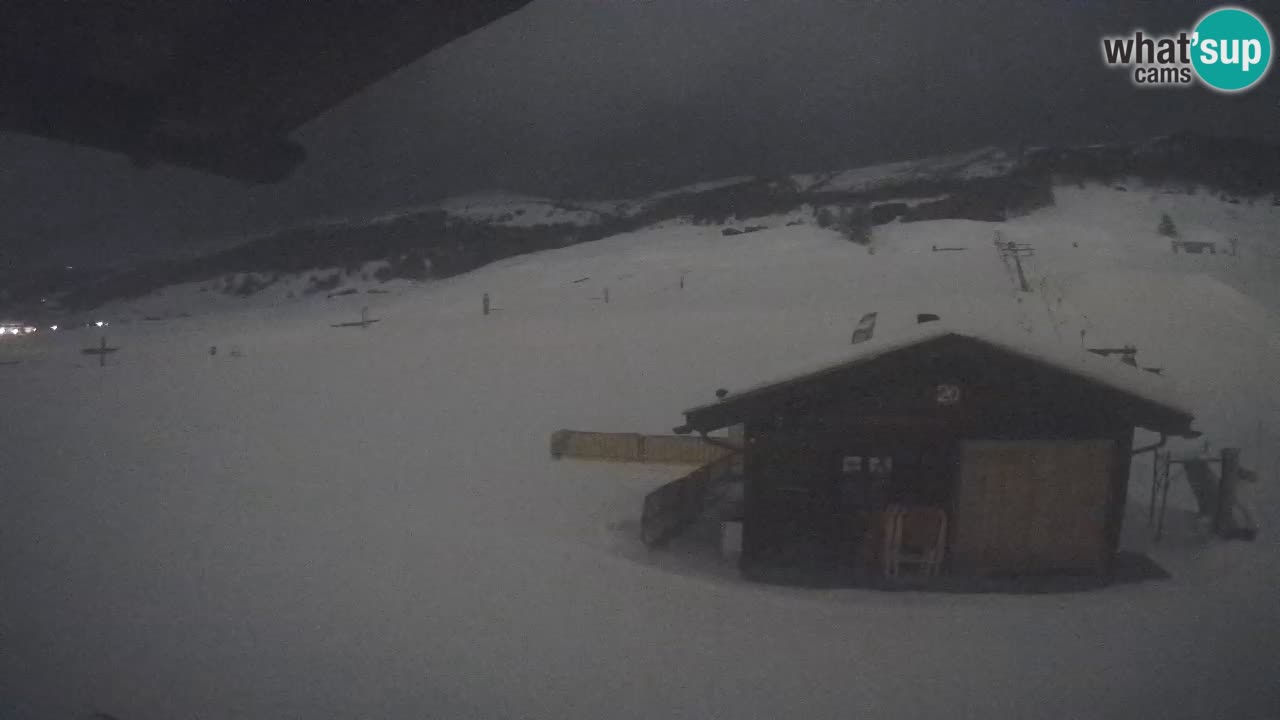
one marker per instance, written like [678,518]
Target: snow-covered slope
[239,292]
[518,211]
[981,163]
[348,522]
[635,206]
[503,209]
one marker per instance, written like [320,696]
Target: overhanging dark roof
[216,85]
[1148,399]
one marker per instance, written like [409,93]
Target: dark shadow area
[1129,568]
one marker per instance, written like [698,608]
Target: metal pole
[1155,469]
[999,241]
[1223,521]
[1164,498]
[1017,260]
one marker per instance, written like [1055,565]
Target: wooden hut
[1024,446]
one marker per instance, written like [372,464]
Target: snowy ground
[366,523]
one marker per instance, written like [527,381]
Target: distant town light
[100,324]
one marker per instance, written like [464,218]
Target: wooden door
[993,503]
[1032,506]
[1074,493]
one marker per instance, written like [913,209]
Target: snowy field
[365,523]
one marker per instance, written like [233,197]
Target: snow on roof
[1047,351]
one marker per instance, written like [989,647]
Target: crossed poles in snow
[101,351]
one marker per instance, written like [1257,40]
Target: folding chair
[917,536]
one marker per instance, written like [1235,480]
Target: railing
[675,506]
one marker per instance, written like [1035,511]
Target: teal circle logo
[1231,49]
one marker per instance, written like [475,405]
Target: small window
[880,466]
[851,465]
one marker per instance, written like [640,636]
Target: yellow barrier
[633,447]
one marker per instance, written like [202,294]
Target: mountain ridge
[459,234]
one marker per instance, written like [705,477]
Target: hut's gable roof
[1157,404]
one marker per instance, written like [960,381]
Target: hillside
[364,522]
[461,234]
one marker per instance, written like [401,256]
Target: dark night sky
[612,97]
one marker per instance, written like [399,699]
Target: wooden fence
[676,505]
[634,447]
